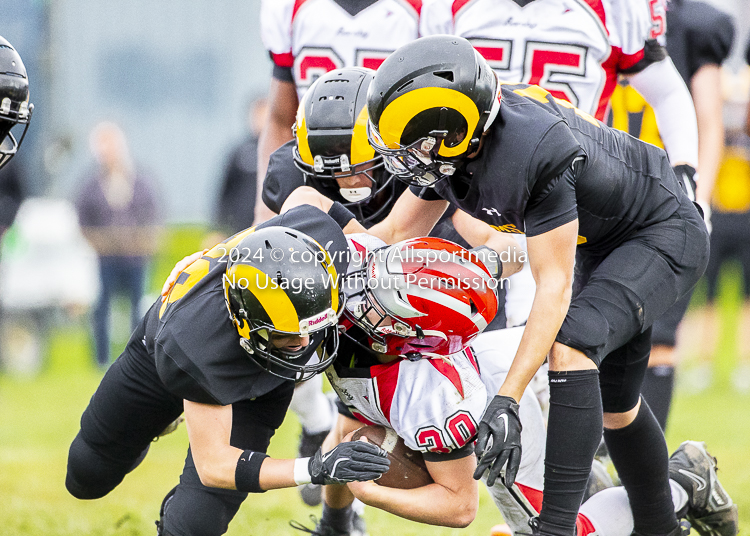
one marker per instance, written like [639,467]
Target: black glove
[686,175]
[347,462]
[499,440]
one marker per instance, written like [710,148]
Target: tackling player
[225,346]
[515,155]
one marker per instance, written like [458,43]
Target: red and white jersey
[575,49]
[313,37]
[433,405]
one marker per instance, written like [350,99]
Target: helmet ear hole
[447,75]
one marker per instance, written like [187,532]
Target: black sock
[573,434]
[337,518]
[657,391]
[639,453]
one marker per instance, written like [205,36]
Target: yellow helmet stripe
[398,113]
[301,131]
[271,297]
[362,151]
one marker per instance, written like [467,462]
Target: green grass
[40,416]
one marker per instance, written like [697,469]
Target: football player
[226,345]
[389,375]
[576,51]
[15,109]
[514,155]
[699,38]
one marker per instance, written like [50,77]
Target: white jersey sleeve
[436,18]
[631,23]
[276,30]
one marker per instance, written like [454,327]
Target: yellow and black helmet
[280,282]
[331,143]
[429,103]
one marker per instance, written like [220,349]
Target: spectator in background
[11,195]
[235,209]
[118,214]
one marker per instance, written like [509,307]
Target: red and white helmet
[423,297]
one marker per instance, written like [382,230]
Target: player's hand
[347,462]
[177,270]
[499,441]
[688,177]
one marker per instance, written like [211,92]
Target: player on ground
[225,347]
[515,155]
[434,405]
[576,51]
[699,38]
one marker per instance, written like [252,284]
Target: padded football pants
[129,409]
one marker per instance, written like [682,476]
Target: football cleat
[356,527]
[710,508]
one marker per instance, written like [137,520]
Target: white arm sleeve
[663,88]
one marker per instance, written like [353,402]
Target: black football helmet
[331,143]
[281,282]
[14,100]
[429,103]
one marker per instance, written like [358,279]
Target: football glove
[687,176]
[348,462]
[499,441]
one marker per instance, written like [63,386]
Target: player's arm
[451,501]
[304,195]
[220,465]
[551,259]
[706,89]
[663,88]
[282,108]
[477,233]
[410,217]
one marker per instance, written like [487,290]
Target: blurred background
[177,85]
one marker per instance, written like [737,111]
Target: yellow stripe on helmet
[362,151]
[403,109]
[272,298]
[300,127]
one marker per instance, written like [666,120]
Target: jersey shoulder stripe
[598,7]
[414,6]
[385,378]
[297,6]
[458,5]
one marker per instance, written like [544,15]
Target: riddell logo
[318,320]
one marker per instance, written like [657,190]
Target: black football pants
[129,409]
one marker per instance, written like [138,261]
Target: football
[408,470]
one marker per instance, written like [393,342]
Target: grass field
[39,417]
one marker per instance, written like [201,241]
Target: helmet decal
[362,151]
[269,293]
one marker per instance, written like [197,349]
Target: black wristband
[340,214]
[247,473]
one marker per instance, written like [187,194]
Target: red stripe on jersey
[627,61]
[416,5]
[385,377]
[610,67]
[473,360]
[457,6]
[584,526]
[598,8]
[297,5]
[361,418]
[283,60]
[534,496]
[450,372]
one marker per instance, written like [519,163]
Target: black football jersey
[545,163]
[191,337]
[697,34]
